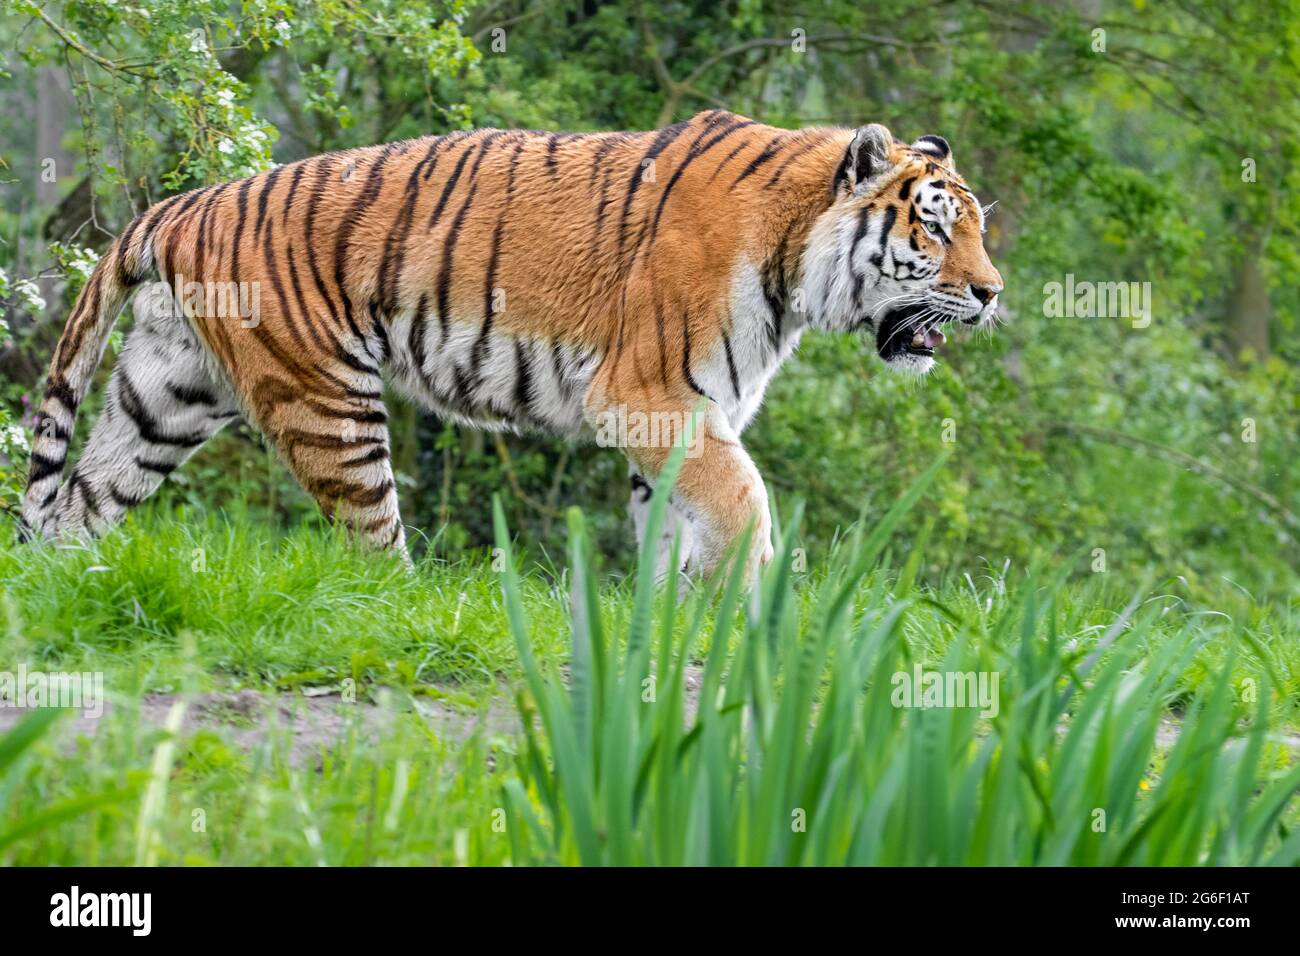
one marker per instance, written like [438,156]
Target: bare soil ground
[312,723]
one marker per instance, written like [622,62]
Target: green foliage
[650,726]
[799,753]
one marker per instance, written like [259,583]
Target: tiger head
[900,250]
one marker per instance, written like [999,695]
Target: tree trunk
[1249,311]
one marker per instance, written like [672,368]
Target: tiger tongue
[930,338]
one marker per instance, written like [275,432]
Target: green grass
[796,755]
[306,608]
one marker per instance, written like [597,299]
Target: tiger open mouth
[910,330]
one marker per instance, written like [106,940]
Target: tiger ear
[865,159]
[937,147]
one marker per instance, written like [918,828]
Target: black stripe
[123,501]
[268,253]
[415,339]
[449,243]
[601,205]
[686,355]
[451,139]
[864,224]
[464,386]
[262,198]
[444,276]
[381,333]
[241,207]
[369,193]
[298,438]
[524,377]
[802,150]
[191,198]
[310,241]
[124,276]
[609,141]
[190,395]
[841,177]
[295,283]
[299,169]
[729,157]
[774,290]
[557,366]
[131,403]
[88,496]
[771,149]
[377,454]
[663,343]
[447,188]
[150,222]
[204,237]
[376,416]
[552,142]
[891,214]
[335,490]
[61,393]
[731,367]
[482,344]
[43,467]
[390,271]
[663,139]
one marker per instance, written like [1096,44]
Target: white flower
[286,32]
[226,146]
[12,437]
[30,293]
[82,261]
[198,42]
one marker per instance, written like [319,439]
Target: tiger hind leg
[162,403]
[332,434]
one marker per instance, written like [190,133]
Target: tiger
[518,281]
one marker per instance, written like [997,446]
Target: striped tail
[75,359]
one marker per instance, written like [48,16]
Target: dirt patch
[314,721]
[310,725]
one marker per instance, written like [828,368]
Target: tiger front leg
[676,523]
[718,490]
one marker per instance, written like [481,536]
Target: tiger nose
[985,293]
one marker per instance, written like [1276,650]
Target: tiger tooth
[918,340]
